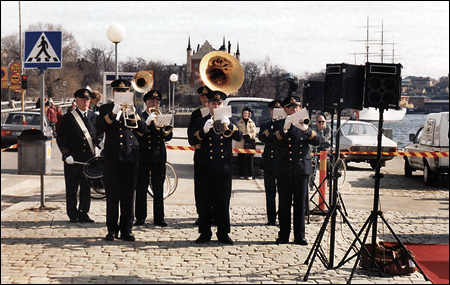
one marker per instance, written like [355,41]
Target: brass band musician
[294,168]
[121,154]
[215,137]
[152,158]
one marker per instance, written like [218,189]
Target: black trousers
[74,177]
[270,186]
[292,188]
[120,183]
[214,202]
[158,176]
[245,164]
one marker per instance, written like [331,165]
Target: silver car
[17,122]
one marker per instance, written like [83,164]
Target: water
[401,129]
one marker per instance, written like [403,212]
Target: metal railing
[29,106]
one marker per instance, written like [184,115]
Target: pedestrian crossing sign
[43,49]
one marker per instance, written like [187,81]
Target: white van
[432,137]
[260,113]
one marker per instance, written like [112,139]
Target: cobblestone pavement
[41,246]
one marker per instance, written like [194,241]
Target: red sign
[14,79]
[15,67]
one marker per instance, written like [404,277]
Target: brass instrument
[166,129]
[221,71]
[220,128]
[306,121]
[130,120]
[142,81]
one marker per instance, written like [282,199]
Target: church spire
[223,48]
[189,44]
[238,54]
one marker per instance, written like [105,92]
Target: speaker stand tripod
[335,207]
[372,221]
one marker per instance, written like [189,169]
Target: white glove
[302,126]
[117,108]
[287,123]
[208,125]
[151,117]
[225,120]
[101,144]
[69,159]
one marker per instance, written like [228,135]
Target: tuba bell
[221,71]
[142,81]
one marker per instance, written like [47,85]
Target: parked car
[358,136]
[17,122]
[431,137]
[260,113]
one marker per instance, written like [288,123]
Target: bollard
[322,176]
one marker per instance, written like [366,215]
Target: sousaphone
[221,71]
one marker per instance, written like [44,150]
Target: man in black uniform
[78,146]
[294,168]
[152,157]
[121,155]
[270,162]
[196,114]
[215,169]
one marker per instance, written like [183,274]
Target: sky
[300,37]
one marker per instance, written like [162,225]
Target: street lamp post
[116,33]
[173,78]
[64,85]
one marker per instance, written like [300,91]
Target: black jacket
[121,143]
[72,141]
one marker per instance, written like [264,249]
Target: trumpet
[166,129]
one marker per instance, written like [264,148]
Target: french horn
[221,71]
[142,81]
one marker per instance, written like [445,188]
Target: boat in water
[373,114]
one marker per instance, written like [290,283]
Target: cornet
[166,129]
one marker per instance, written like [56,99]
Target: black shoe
[225,239]
[303,241]
[84,218]
[127,237]
[271,223]
[203,238]
[281,241]
[139,222]
[111,236]
[161,223]
[74,220]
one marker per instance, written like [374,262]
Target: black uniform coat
[270,158]
[195,115]
[121,156]
[72,142]
[215,167]
[294,169]
[152,157]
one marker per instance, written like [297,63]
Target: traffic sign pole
[44,153]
